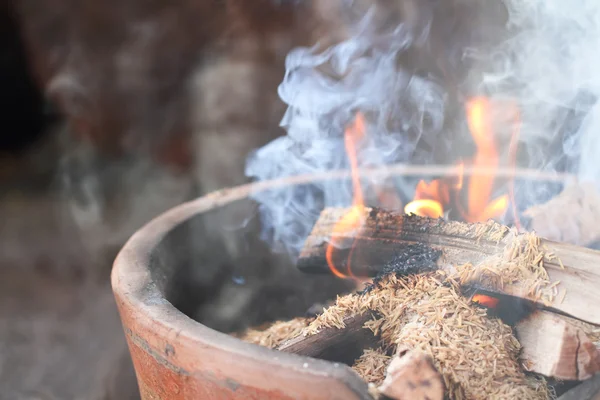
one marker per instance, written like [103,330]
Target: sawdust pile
[276,333]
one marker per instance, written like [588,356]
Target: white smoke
[548,64]
[324,90]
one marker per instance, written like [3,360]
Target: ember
[487,301]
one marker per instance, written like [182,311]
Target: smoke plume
[323,91]
[549,65]
[545,61]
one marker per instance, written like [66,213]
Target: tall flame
[480,208]
[431,199]
[353,220]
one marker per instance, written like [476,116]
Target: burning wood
[423,269]
[342,343]
[556,347]
[558,275]
[412,375]
[423,303]
[457,256]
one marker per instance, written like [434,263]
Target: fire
[353,220]
[481,186]
[432,199]
[429,199]
[486,301]
[425,208]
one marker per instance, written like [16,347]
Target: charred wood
[391,241]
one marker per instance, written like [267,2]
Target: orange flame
[480,186]
[431,199]
[353,220]
[486,301]
[425,208]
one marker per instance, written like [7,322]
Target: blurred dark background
[112,112]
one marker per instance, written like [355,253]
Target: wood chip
[412,376]
[342,343]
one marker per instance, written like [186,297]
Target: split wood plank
[390,237]
[558,347]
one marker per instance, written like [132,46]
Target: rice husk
[276,333]
[372,365]
[521,265]
[476,355]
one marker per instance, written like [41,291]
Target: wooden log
[412,375]
[389,239]
[343,345]
[588,390]
[558,347]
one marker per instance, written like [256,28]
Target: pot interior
[216,269]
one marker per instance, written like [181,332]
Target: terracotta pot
[176,357]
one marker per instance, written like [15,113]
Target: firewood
[412,375]
[588,390]
[558,347]
[393,241]
[342,345]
